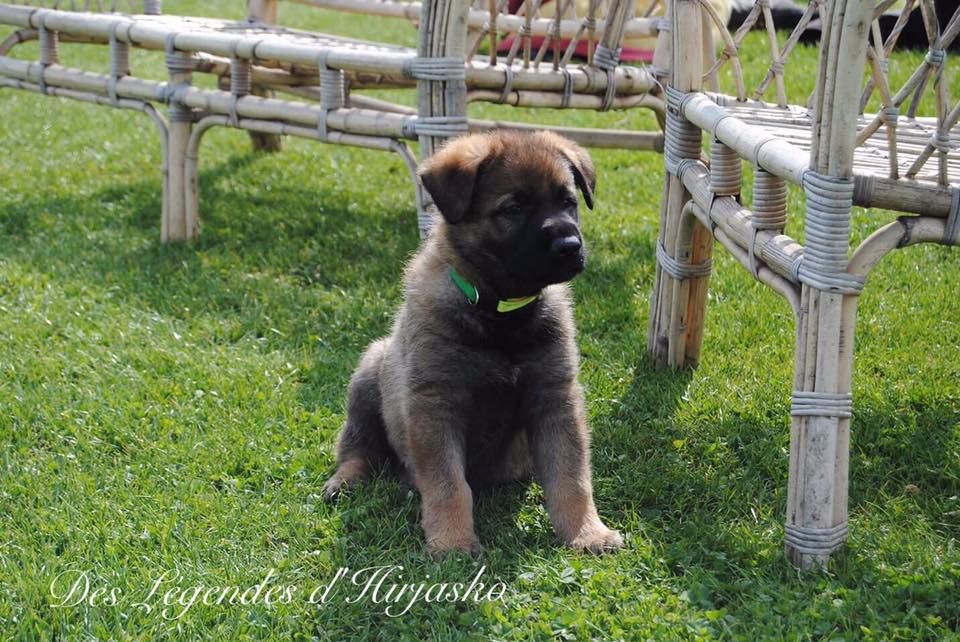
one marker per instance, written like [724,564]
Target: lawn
[168,412]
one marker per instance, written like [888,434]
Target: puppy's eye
[511,210]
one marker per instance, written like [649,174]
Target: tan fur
[458,396]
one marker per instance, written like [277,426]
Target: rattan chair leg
[820,434]
[685,246]
[442,104]
[177,226]
[264,12]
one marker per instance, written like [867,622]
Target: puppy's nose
[566,245]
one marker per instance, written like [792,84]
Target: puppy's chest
[498,395]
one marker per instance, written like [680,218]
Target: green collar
[502,305]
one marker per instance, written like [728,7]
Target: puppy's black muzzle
[566,257]
[566,246]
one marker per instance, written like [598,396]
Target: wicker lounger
[259,61]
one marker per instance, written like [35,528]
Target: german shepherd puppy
[477,382]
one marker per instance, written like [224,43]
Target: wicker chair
[259,62]
[839,156]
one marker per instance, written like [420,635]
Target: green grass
[174,407]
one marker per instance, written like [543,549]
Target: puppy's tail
[362,446]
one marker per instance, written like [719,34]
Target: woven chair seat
[259,31]
[794,125]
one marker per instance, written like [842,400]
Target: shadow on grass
[295,267]
[905,450]
[712,503]
[274,259]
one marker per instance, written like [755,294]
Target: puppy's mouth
[564,268]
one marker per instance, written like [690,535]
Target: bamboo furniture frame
[261,65]
[839,156]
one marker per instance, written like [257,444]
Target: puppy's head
[509,201]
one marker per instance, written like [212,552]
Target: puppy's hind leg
[362,445]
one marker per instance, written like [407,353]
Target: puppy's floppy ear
[450,175]
[583,172]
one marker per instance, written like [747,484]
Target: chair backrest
[882,101]
[527,31]
[149,7]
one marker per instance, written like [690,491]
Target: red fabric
[628,54]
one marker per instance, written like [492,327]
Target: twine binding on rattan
[863,188]
[443,126]
[332,90]
[611,91]
[824,262]
[439,69]
[726,170]
[816,540]
[795,266]
[241,83]
[425,219]
[951,230]
[152,7]
[890,116]
[332,93]
[769,210]
[935,57]
[682,138]
[567,88]
[119,61]
[682,271]
[812,403]
[49,49]
[178,62]
[554,31]
[507,83]
[754,267]
[676,99]
[941,141]
[606,58]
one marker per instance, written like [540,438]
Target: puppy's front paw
[349,473]
[441,546]
[331,490]
[597,538]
